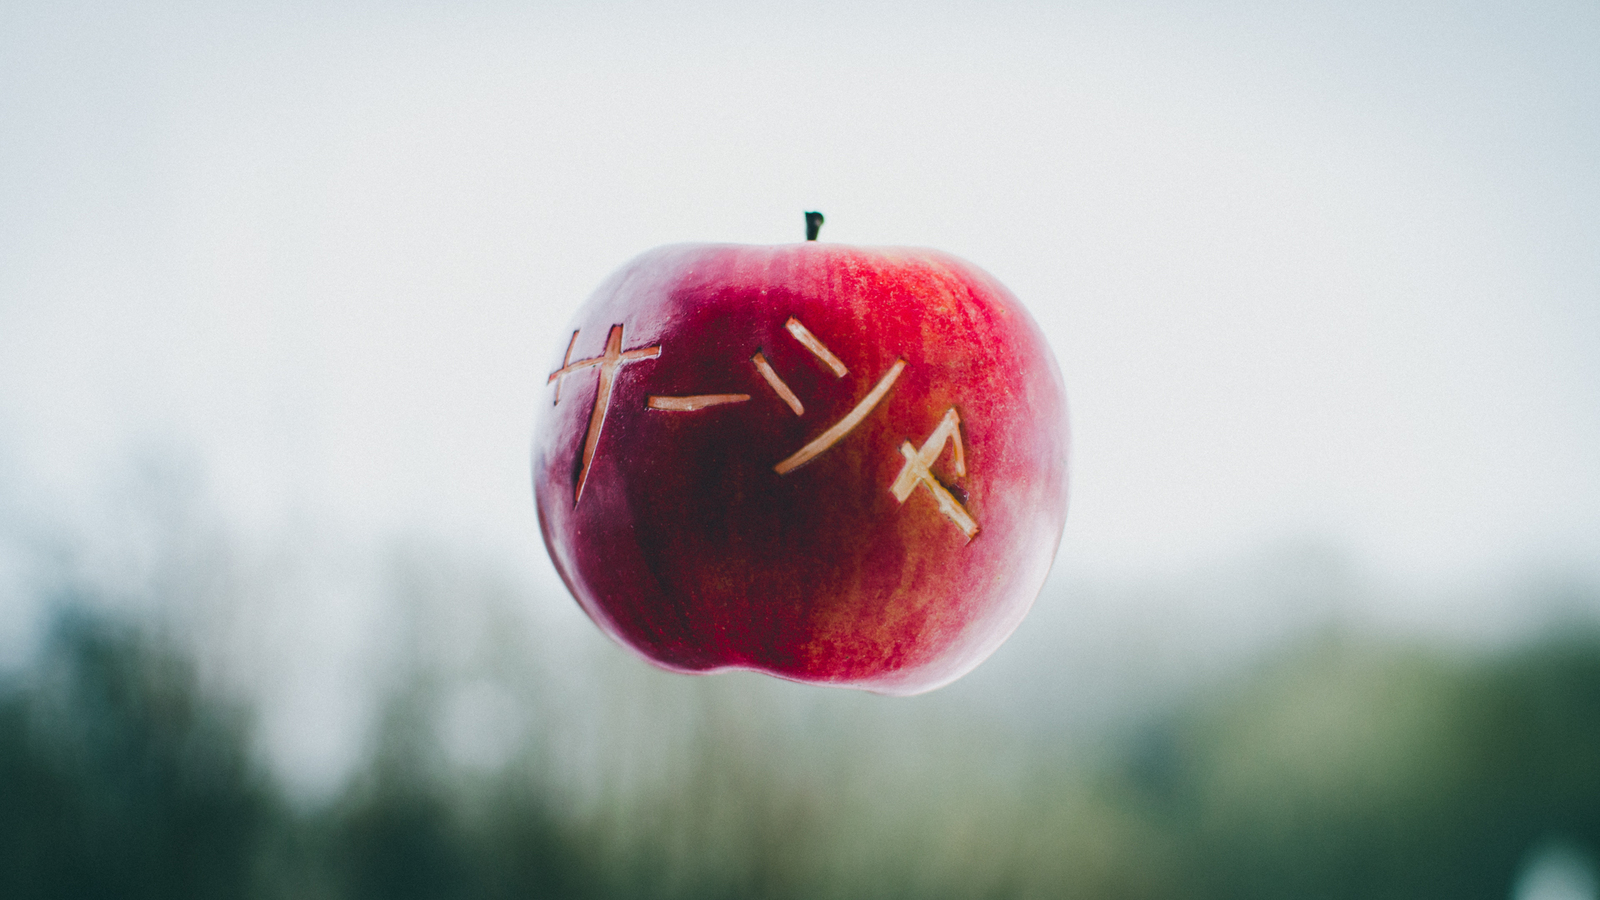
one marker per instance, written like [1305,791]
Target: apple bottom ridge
[921,660]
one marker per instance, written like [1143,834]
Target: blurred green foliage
[118,780]
[1345,768]
[1363,771]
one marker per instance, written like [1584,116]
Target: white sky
[1326,271]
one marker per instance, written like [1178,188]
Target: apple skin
[688,547]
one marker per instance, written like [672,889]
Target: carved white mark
[609,362]
[804,336]
[560,374]
[844,426]
[915,472]
[697,401]
[765,368]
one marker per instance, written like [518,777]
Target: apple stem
[813,225]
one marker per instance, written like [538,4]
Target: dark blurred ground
[1341,768]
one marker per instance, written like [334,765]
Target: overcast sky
[1324,272]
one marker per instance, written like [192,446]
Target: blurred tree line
[1345,768]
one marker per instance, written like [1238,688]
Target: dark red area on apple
[687,547]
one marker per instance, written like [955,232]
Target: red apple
[832,464]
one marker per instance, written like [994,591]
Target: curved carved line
[844,426]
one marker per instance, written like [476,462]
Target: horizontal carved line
[697,401]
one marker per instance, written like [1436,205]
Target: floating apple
[836,465]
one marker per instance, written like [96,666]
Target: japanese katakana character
[609,362]
[915,471]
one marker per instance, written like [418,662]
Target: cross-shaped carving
[609,362]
